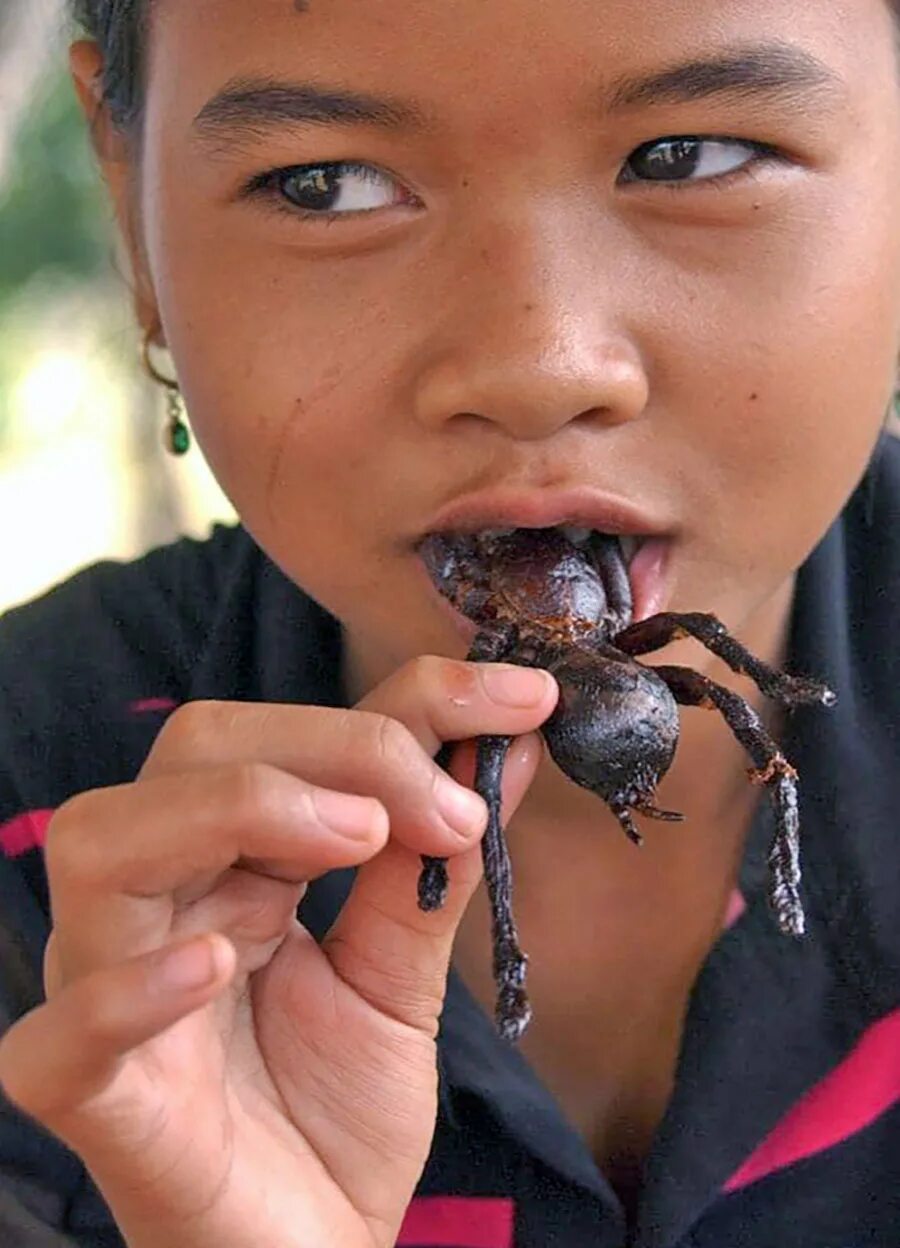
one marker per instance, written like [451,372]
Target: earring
[177,437]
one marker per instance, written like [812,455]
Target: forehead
[394,35]
[529,60]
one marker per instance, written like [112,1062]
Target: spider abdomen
[615,727]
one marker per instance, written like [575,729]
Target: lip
[649,571]
[523,509]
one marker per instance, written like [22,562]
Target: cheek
[284,368]
[294,400]
[795,393]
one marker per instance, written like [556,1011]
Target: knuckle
[71,844]
[51,971]
[428,668]
[449,677]
[390,982]
[24,1093]
[99,1014]
[193,726]
[13,1085]
[253,793]
[388,741]
[393,745]
[66,817]
[267,913]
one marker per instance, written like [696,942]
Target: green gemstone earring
[177,437]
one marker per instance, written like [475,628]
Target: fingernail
[189,967]
[349,815]
[461,808]
[515,686]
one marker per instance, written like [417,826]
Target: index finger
[383,748]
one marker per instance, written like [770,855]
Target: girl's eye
[327,191]
[688,158]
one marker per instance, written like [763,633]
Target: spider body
[534,582]
[543,601]
[540,599]
[615,736]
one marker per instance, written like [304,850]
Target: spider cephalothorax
[560,601]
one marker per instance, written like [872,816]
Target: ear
[116,155]
[86,66]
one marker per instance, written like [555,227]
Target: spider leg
[433,881]
[646,808]
[659,630]
[513,1011]
[771,769]
[649,811]
[629,827]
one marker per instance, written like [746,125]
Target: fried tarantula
[561,601]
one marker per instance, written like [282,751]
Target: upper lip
[533,509]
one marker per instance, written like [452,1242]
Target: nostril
[463,420]
[608,416]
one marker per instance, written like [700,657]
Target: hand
[288,1096]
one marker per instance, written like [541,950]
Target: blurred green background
[83,472]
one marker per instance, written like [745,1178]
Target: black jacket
[784,1127]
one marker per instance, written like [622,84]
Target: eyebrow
[246,107]
[775,68]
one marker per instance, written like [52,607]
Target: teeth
[576,535]
[630,545]
[579,536]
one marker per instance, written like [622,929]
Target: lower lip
[648,573]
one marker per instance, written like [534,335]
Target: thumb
[396,956]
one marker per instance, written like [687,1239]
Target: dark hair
[120,28]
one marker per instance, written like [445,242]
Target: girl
[439,265]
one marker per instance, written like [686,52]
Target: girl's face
[647,250]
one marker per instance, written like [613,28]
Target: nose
[528,347]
